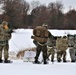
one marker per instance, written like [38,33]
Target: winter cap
[45,25]
[4,23]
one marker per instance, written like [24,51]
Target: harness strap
[42,44]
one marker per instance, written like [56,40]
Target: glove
[32,37]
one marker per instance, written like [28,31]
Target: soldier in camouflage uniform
[51,43]
[41,46]
[5,35]
[51,51]
[61,46]
[72,47]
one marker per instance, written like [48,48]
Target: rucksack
[40,34]
[40,31]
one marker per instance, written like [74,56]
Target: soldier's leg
[59,55]
[72,55]
[1,47]
[64,56]
[52,56]
[51,52]
[35,42]
[6,54]
[75,55]
[48,54]
[38,50]
[44,50]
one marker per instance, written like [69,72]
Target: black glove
[32,37]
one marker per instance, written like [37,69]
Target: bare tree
[15,10]
[56,15]
[40,15]
[70,19]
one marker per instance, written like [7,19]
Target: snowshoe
[72,60]
[7,61]
[64,61]
[45,62]
[36,62]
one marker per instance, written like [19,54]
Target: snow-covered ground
[21,39]
[26,68]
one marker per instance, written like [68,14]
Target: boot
[1,60]
[7,61]
[52,60]
[36,62]
[64,61]
[59,60]
[45,62]
[72,60]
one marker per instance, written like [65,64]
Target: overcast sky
[67,3]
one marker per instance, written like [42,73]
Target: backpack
[40,34]
[40,31]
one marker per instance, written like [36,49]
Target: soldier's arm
[35,42]
[50,35]
[9,31]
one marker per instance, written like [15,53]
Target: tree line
[21,14]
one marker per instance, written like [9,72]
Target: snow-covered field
[19,67]
[21,39]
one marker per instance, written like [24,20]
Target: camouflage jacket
[5,35]
[72,41]
[40,34]
[61,44]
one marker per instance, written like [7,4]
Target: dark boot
[45,62]
[64,61]
[7,61]
[59,60]
[72,60]
[36,62]
[1,60]
[52,60]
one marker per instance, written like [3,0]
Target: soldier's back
[61,44]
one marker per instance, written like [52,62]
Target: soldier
[61,46]
[51,51]
[51,44]
[5,35]
[72,47]
[41,35]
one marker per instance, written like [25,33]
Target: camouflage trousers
[51,52]
[43,49]
[61,54]
[72,54]
[5,48]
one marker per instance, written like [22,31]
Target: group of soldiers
[59,48]
[51,45]
[44,41]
